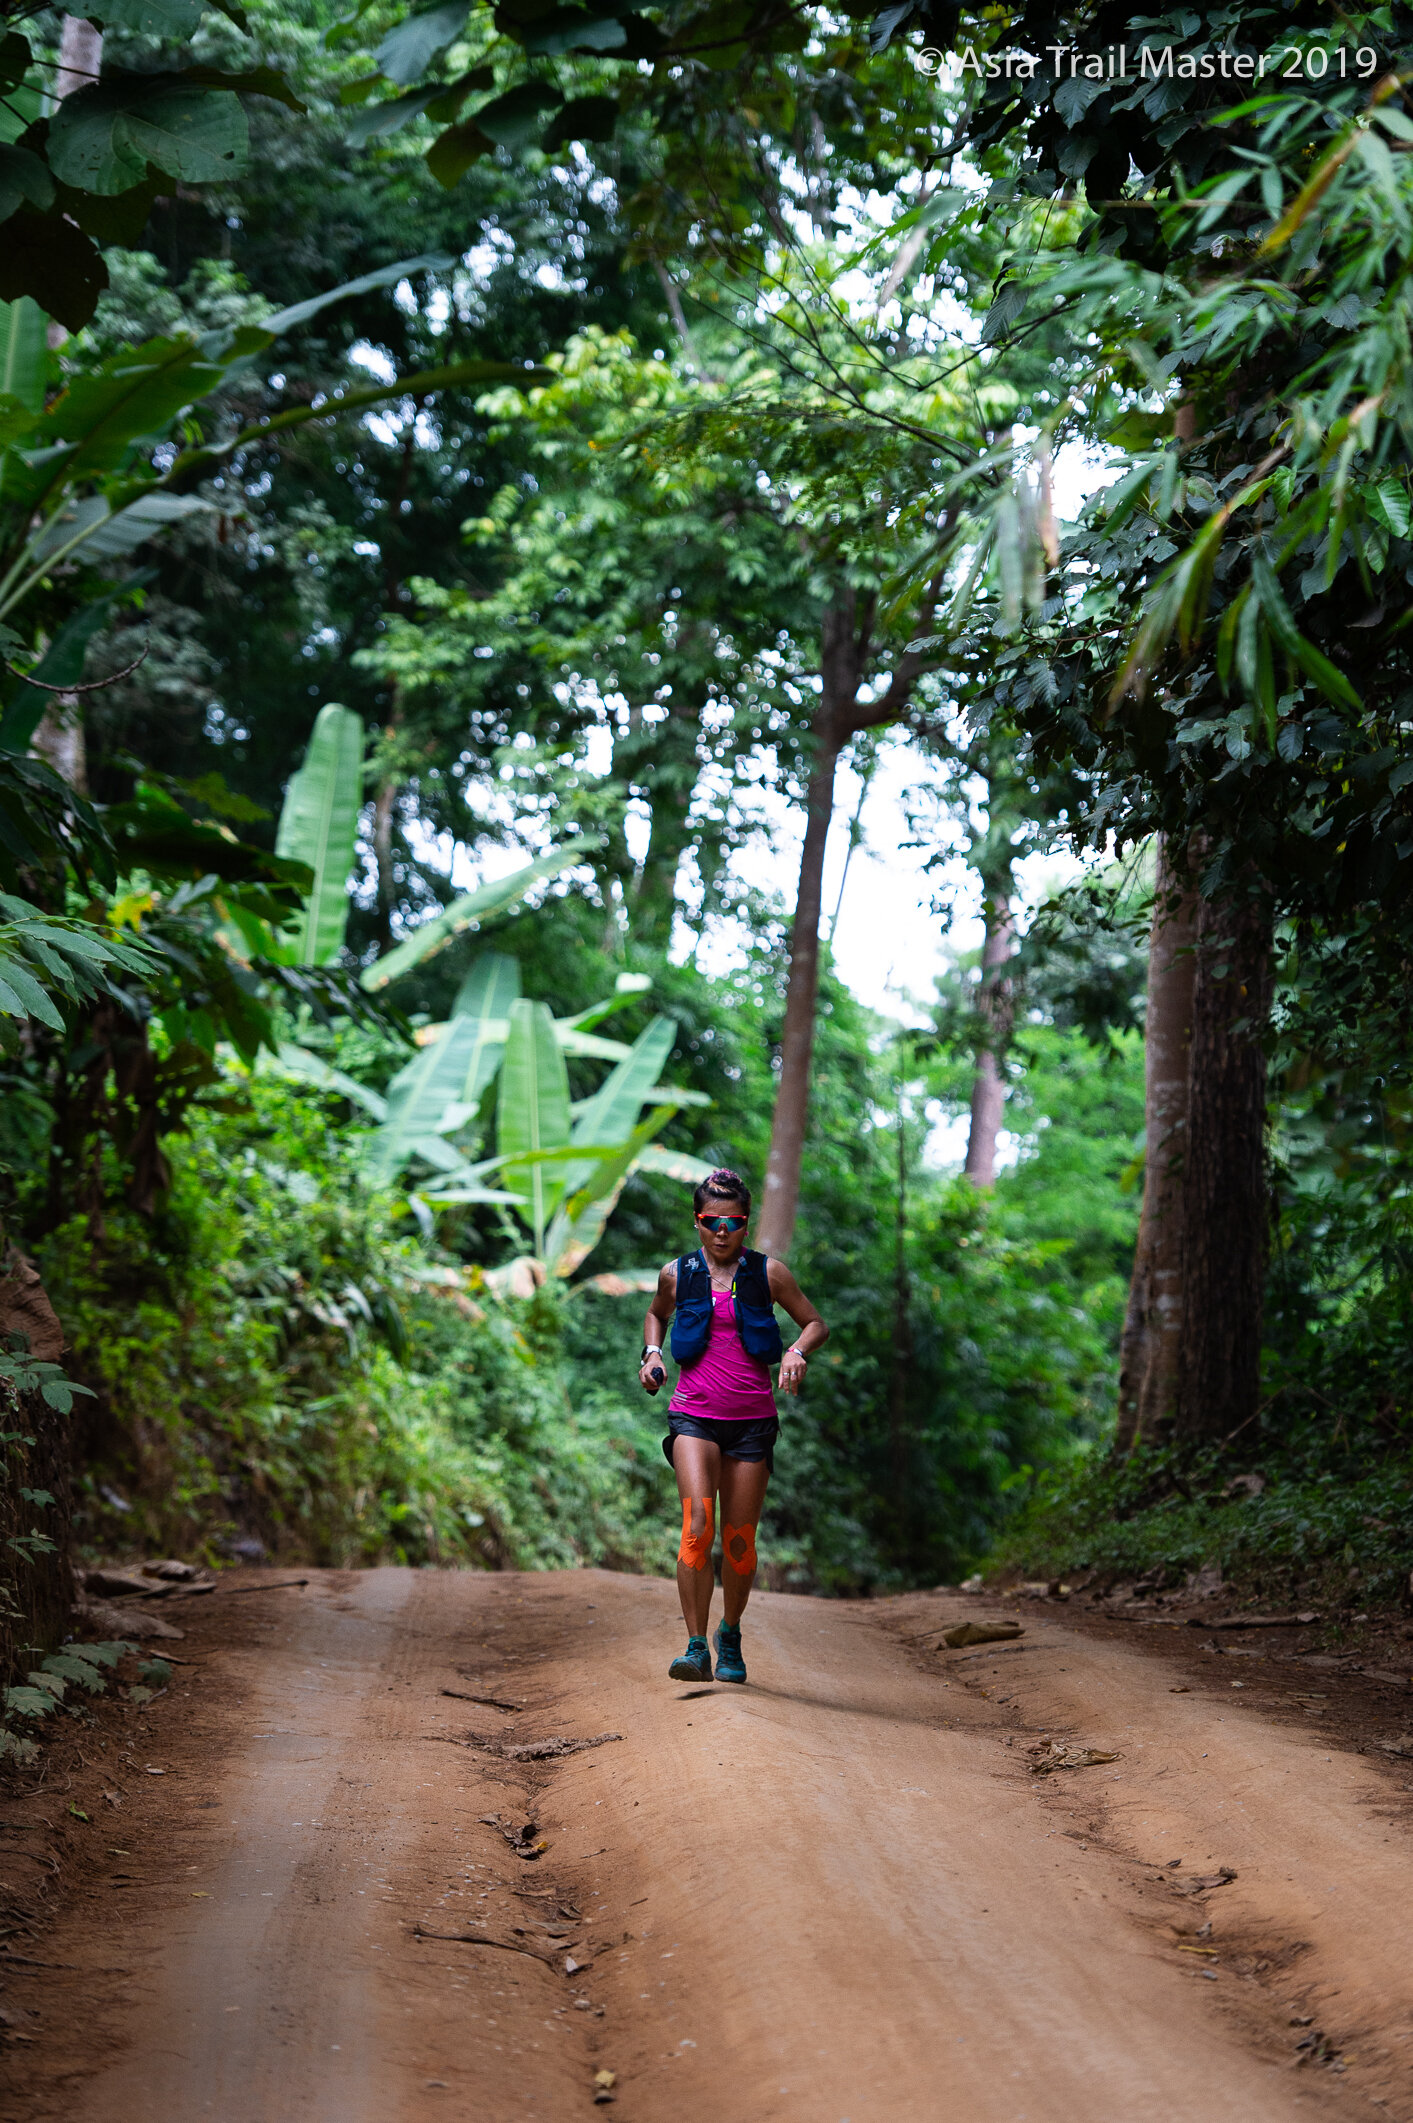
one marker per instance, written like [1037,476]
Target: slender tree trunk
[1151,1345]
[60,742]
[80,57]
[1225,1210]
[667,772]
[841,669]
[787,1136]
[59,739]
[995,1005]
[844,655]
[384,806]
[900,1369]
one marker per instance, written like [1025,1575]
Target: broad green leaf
[312,1069]
[366,284]
[24,181]
[572,29]
[28,1702]
[612,1111]
[584,118]
[48,257]
[101,139]
[578,1226]
[432,936]
[71,1666]
[1388,499]
[147,517]
[452,153]
[22,996]
[674,1164]
[533,1110]
[411,46]
[514,119]
[379,119]
[455,1195]
[172,19]
[452,1072]
[135,393]
[319,826]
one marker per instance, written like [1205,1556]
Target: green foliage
[274,1359]
[319,828]
[43,955]
[45,1687]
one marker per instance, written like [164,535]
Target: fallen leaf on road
[473,1938]
[1204,1882]
[605,2078]
[1401,1746]
[1053,1754]
[1180,1691]
[1254,1621]
[553,1750]
[981,1633]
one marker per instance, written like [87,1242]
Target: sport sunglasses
[720,1224]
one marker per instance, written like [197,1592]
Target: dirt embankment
[338,1880]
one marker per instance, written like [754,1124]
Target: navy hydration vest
[755,1310]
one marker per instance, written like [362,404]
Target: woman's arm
[813,1333]
[656,1321]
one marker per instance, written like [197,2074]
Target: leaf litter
[981,1633]
[1051,1755]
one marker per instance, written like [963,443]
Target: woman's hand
[792,1371]
[651,1372]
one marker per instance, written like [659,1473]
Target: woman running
[722,1422]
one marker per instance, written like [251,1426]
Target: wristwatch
[649,1350]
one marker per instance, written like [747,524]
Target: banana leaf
[450,1075]
[488,899]
[578,1226]
[613,1109]
[319,826]
[533,1110]
[308,1068]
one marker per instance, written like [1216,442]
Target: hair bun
[724,1176]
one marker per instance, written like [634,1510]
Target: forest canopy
[476,483]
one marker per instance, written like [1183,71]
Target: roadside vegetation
[456,488]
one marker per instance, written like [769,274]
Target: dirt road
[838,1895]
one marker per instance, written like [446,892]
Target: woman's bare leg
[743,1485]
[698,1466]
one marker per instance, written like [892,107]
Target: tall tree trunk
[845,648]
[900,1369]
[384,807]
[80,57]
[1224,1173]
[60,742]
[843,655]
[668,771]
[1151,1345]
[787,1135]
[995,1005]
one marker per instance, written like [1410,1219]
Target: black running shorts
[753,1440]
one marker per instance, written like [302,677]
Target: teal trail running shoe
[730,1666]
[694,1664]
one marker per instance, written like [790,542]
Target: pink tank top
[724,1385]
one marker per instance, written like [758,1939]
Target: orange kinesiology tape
[738,1546]
[695,1551]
